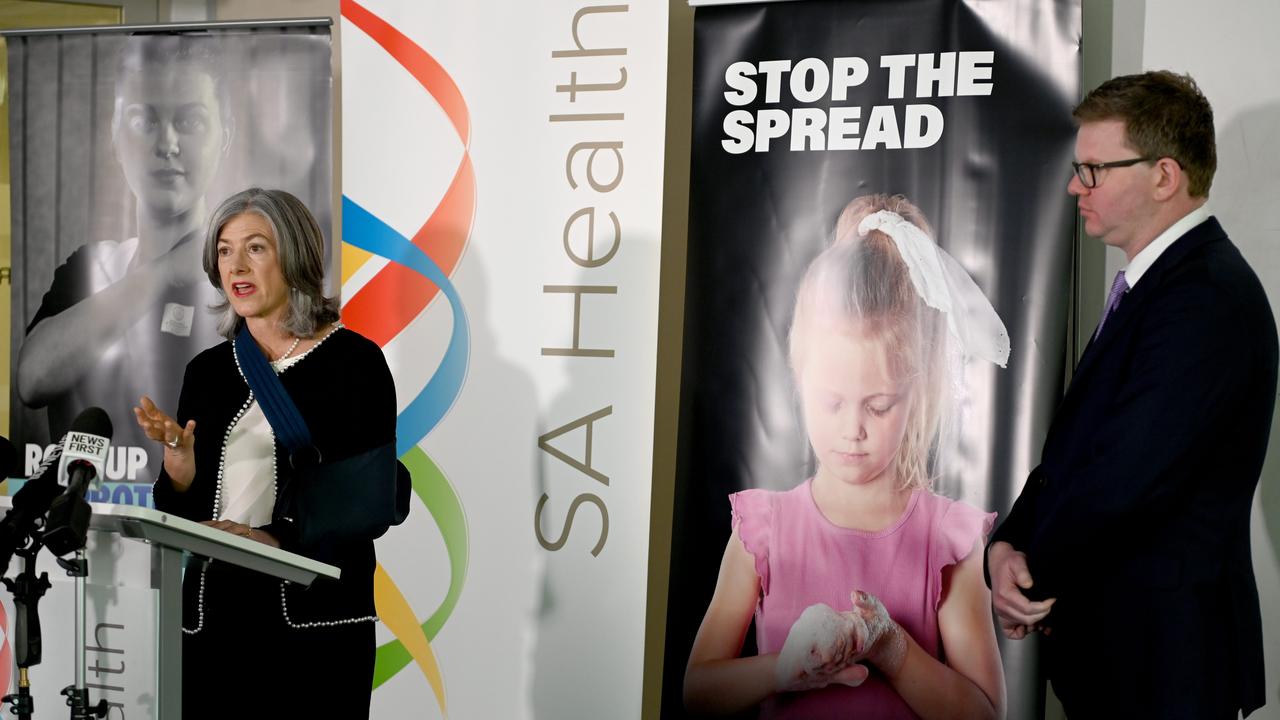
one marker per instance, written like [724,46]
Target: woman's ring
[173,443]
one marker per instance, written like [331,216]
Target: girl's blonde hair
[863,282]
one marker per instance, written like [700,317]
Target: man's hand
[1018,614]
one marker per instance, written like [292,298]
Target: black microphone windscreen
[8,457]
[94,421]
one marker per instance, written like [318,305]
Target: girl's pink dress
[802,559]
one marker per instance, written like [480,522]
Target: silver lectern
[133,608]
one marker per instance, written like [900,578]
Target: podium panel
[133,609]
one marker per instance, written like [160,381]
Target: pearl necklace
[289,352]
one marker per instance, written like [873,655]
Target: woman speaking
[254,645]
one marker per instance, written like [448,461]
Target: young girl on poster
[865,587]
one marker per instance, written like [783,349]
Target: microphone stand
[27,589]
[78,694]
[67,530]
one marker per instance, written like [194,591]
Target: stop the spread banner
[500,219]
[879,240]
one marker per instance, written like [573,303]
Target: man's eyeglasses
[1088,172]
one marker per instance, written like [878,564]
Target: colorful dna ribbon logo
[419,269]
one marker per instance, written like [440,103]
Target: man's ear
[1169,178]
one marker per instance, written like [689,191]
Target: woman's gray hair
[300,247]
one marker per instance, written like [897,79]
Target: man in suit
[1129,545]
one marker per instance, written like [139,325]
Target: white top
[249,484]
[1148,255]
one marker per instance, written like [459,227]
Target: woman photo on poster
[866,588]
[121,313]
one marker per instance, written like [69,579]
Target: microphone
[83,461]
[8,457]
[30,504]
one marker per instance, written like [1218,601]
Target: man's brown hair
[1165,115]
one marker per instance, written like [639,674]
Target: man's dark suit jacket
[1137,518]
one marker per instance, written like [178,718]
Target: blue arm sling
[327,503]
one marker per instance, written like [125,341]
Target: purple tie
[1118,288]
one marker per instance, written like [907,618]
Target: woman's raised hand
[179,441]
[822,648]
[159,426]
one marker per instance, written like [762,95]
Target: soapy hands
[825,647]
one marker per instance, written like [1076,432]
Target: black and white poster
[120,145]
